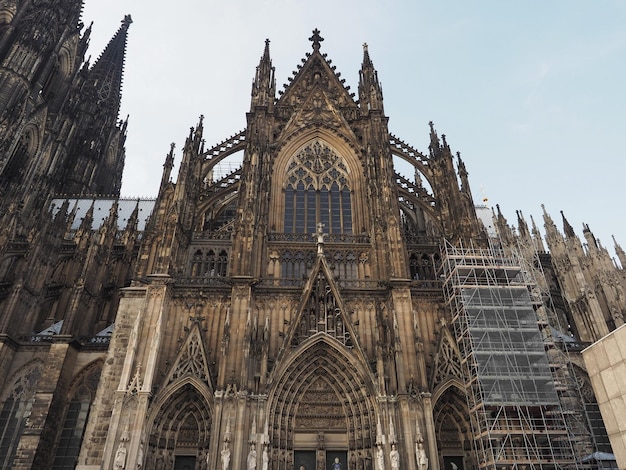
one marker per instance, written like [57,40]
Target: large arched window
[75,422]
[15,411]
[317,189]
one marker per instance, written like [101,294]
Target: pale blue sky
[531,93]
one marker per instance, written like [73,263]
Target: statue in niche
[225,456]
[394,456]
[140,455]
[160,461]
[120,456]
[252,458]
[380,458]
[266,459]
[422,459]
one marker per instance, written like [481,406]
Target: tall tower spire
[107,73]
[370,91]
[96,152]
[264,85]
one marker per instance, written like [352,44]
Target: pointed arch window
[75,421]
[317,189]
[15,411]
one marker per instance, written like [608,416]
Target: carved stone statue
[225,456]
[160,461]
[266,459]
[252,458]
[394,456]
[120,456]
[140,456]
[380,458]
[420,453]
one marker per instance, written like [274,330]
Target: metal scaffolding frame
[586,428]
[515,410]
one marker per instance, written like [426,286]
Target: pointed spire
[167,167]
[370,91]
[589,236]
[434,140]
[567,228]
[264,85]
[463,174]
[107,72]
[501,218]
[521,225]
[131,225]
[87,223]
[537,236]
[620,252]
[553,236]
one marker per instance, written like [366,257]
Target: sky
[531,93]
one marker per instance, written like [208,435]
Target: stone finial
[316,39]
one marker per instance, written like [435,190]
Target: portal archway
[322,409]
[453,428]
[181,428]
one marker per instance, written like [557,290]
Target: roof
[101,209]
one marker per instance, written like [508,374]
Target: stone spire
[620,252]
[108,70]
[370,91]
[537,236]
[567,228]
[264,85]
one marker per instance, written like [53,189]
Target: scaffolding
[515,411]
[584,421]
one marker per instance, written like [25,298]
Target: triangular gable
[316,70]
[321,310]
[317,108]
[191,360]
[447,362]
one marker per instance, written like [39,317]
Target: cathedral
[313,309]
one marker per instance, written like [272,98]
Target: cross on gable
[316,39]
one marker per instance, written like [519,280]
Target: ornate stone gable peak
[447,362]
[317,74]
[321,310]
[191,360]
[318,109]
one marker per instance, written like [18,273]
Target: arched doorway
[321,410]
[180,434]
[453,428]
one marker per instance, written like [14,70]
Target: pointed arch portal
[181,429]
[322,408]
[452,426]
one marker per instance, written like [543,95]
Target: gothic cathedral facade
[313,309]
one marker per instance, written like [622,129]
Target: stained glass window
[317,190]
